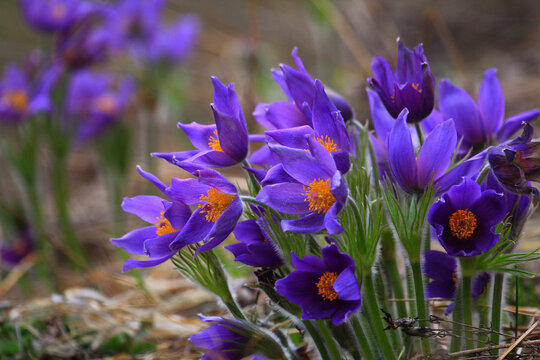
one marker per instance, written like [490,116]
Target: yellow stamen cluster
[163,225]
[319,195]
[17,100]
[327,143]
[325,285]
[106,104]
[213,142]
[462,224]
[214,203]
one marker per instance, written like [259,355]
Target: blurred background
[240,41]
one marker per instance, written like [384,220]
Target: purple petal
[346,285]
[491,102]
[199,135]
[133,241]
[401,154]
[147,207]
[264,157]
[213,178]
[152,178]
[130,263]
[277,175]
[335,260]
[439,265]
[308,224]
[382,120]
[288,198]
[464,195]
[196,229]
[467,168]
[441,289]
[298,286]
[159,246]
[188,191]
[233,136]
[178,214]
[279,115]
[514,123]
[292,137]
[309,263]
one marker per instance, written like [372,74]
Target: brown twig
[487,348]
[518,341]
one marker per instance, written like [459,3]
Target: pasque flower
[21,96]
[168,219]
[19,247]
[328,128]
[411,87]
[220,145]
[480,123]
[414,172]
[318,192]
[465,217]
[94,103]
[441,268]
[255,247]
[513,164]
[54,15]
[324,288]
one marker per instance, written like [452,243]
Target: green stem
[316,337]
[390,265]
[361,337]
[457,318]
[467,310]
[373,313]
[483,314]
[329,340]
[420,301]
[419,133]
[254,182]
[496,307]
[233,307]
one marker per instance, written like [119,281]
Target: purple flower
[94,103]
[513,164]
[516,205]
[256,247]
[411,87]
[414,172]
[22,245]
[480,123]
[21,97]
[324,287]
[442,269]
[220,145]
[465,217]
[226,339]
[54,15]
[168,219]
[328,128]
[317,190]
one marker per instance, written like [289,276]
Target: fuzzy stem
[329,340]
[373,313]
[467,309]
[316,337]
[361,337]
[496,306]
[457,318]
[420,301]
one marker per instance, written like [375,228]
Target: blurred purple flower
[480,123]
[465,217]
[54,15]
[318,192]
[94,103]
[21,246]
[220,145]
[324,287]
[21,96]
[411,87]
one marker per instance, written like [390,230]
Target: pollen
[163,225]
[106,104]
[417,87]
[214,203]
[59,11]
[328,143]
[18,100]
[319,196]
[462,224]
[213,142]
[325,285]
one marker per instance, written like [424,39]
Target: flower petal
[346,285]
[288,198]
[491,102]
[147,207]
[401,154]
[133,241]
[514,123]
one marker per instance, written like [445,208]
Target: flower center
[417,87]
[326,286]
[17,100]
[319,196]
[327,143]
[106,104]
[59,11]
[213,142]
[163,225]
[214,203]
[462,224]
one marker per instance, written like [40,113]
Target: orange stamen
[213,142]
[326,286]
[214,203]
[163,225]
[417,87]
[18,100]
[106,104]
[327,143]
[319,195]
[59,11]
[462,224]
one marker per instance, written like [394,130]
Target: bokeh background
[240,41]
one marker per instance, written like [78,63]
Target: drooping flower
[324,288]
[21,97]
[229,339]
[411,87]
[220,145]
[328,128]
[465,217]
[94,103]
[54,15]
[218,208]
[513,164]
[168,219]
[256,247]
[318,192]
[441,268]
[414,172]
[482,123]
